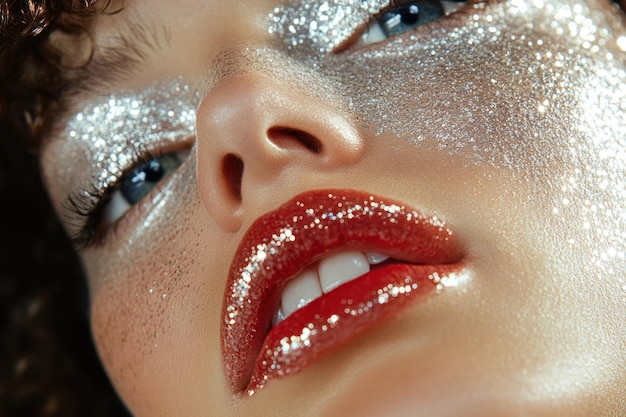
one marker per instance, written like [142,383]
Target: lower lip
[342,315]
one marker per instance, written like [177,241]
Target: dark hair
[33,70]
[48,363]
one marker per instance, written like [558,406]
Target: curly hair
[32,70]
[48,366]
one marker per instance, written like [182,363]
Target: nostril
[286,137]
[232,168]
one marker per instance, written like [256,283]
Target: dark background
[48,364]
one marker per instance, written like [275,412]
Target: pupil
[151,171]
[154,171]
[410,15]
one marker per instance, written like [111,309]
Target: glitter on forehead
[321,25]
[114,130]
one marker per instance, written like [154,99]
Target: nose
[257,138]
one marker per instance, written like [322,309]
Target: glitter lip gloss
[312,225]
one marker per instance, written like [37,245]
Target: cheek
[132,325]
[145,324]
[536,137]
[155,310]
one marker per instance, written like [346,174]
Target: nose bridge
[250,128]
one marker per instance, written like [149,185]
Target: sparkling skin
[548,299]
[105,138]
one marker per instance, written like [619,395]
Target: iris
[146,176]
[411,15]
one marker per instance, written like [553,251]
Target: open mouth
[320,270]
[323,277]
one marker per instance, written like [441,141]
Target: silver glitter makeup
[111,133]
[322,25]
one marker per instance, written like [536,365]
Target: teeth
[376,258]
[278,317]
[341,268]
[300,291]
[331,273]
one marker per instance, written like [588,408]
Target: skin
[537,327]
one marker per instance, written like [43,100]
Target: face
[352,208]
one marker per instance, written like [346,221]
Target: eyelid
[88,207]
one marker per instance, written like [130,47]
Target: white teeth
[331,273]
[376,258]
[278,317]
[341,268]
[300,291]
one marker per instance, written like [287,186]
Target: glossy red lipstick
[283,242]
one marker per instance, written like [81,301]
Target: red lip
[283,242]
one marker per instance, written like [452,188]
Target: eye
[134,186]
[405,17]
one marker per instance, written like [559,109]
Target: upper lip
[281,243]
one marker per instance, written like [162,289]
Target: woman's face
[482,151]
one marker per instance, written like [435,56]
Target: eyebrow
[130,48]
[110,65]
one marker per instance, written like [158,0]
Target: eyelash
[88,206]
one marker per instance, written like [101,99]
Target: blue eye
[407,16]
[145,177]
[140,182]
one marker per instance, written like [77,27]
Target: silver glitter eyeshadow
[321,25]
[111,132]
